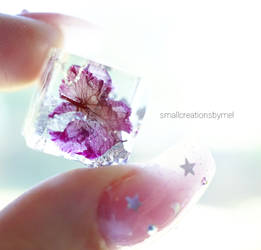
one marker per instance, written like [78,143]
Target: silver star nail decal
[188,167]
[152,229]
[133,203]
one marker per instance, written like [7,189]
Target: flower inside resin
[86,91]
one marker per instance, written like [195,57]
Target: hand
[101,208]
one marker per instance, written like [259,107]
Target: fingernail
[148,199]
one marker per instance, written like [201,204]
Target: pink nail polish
[145,201]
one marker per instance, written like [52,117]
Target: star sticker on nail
[188,167]
[152,229]
[133,203]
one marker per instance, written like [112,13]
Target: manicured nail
[148,199]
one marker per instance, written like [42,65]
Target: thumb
[105,208]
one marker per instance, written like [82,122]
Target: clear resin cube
[85,111]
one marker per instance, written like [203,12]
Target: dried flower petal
[87,138]
[64,107]
[87,91]
[99,72]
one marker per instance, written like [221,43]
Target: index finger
[25,42]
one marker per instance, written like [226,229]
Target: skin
[38,219]
[61,212]
[26,222]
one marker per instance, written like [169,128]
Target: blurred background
[195,56]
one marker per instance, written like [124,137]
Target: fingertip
[110,207]
[153,196]
[26,40]
[25,44]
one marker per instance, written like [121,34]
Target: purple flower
[87,91]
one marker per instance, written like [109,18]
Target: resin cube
[85,111]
